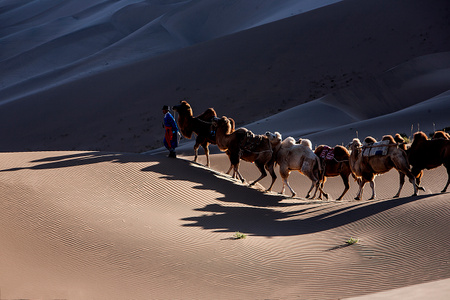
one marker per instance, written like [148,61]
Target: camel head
[355,145]
[399,139]
[274,138]
[222,122]
[183,109]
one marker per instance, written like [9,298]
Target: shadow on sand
[262,213]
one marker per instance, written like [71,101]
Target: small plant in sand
[352,241]
[238,235]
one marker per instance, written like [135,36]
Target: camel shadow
[269,222]
[80,159]
[258,213]
[169,168]
[207,179]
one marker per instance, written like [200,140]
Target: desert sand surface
[99,225]
[92,208]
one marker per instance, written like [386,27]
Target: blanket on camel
[378,148]
[327,153]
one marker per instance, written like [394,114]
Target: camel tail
[319,164]
[320,169]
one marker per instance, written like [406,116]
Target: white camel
[291,156]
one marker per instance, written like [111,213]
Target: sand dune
[84,225]
[89,35]
[248,75]
[399,101]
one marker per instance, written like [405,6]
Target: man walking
[171,132]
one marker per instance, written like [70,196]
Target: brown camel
[291,156]
[335,162]
[428,154]
[367,167]
[243,144]
[201,125]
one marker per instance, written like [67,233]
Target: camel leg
[284,172]
[372,185]
[361,189]
[412,179]
[234,174]
[229,170]
[272,173]
[197,144]
[234,160]
[262,170]
[346,184]
[322,183]
[282,188]
[310,189]
[285,182]
[402,166]
[206,148]
[314,183]
[318,186]
[418,173]
[402,181]
[236,171]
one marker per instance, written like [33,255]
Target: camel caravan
[362,160]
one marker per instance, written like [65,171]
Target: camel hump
[419,137]
[341,151]
[288,142]
[253,142]
[388,138]
[441,135]
[207,115]
[369,141]
[306,142]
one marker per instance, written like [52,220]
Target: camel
[335,162]
[291,156]
[244,144]
[428,154]
[201,125]
[366,168]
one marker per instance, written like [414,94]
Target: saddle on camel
[335,162]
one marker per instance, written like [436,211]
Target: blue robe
[171,132]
